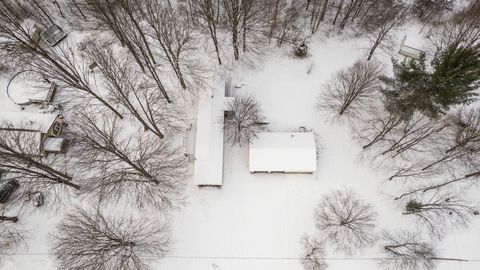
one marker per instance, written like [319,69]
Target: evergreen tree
[405,92]
[456,76]
[453,80]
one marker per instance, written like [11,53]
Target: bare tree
[11,236]
[20,158]
[136,169]
[208,11]
[429,11]
[351,89]
[313,257]
[376,125]
[92,240]
[123,19]
[233,10]
[379,28]
[253,21]
[469,13]
[462,142]
[60,63]
[319,7]
[346,221]
[406,250]
[70,70]
[286,24]
[133,91]
[441,211]
[245,121]
[411,135]
[173,34]
[413,170]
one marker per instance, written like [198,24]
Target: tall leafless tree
[441,211]
[136,169]
[319,8]
[11,236]
[61,63]
[379,28]
[124,20]
[351,89]
[20,158]
[245,121]
[406,250]
[133,91]
[461,143]
[412,134]
[92,240]
[208,12]
[346,220]
[376,125]
[233,11]
[173,34]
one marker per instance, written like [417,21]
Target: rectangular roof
[208,166]
[53,144]
[39,122]
[293,152]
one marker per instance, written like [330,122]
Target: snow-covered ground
[255,221]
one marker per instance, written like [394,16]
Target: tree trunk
[324,10]
[8,219]
[340,6]
[236,53]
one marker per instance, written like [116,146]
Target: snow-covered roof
[40,122]
[208,167]
[409,51]
[293,152]
[52,144]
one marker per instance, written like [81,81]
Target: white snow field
[255,221]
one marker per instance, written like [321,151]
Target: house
[283,152]
[409,52]
[208,157]
[39,128]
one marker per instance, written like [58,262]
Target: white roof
[40,122]
[208,167]
[53,144]
[410,52]
[293,152]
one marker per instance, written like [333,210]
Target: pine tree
[456,76]
[454,79]
[405,92]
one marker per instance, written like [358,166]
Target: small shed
[54,34]
[409,52]
[49,124]
[38,128]
[283,152]
[54,145]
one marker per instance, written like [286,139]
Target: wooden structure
[37,128]
[53,35]
[409,52]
